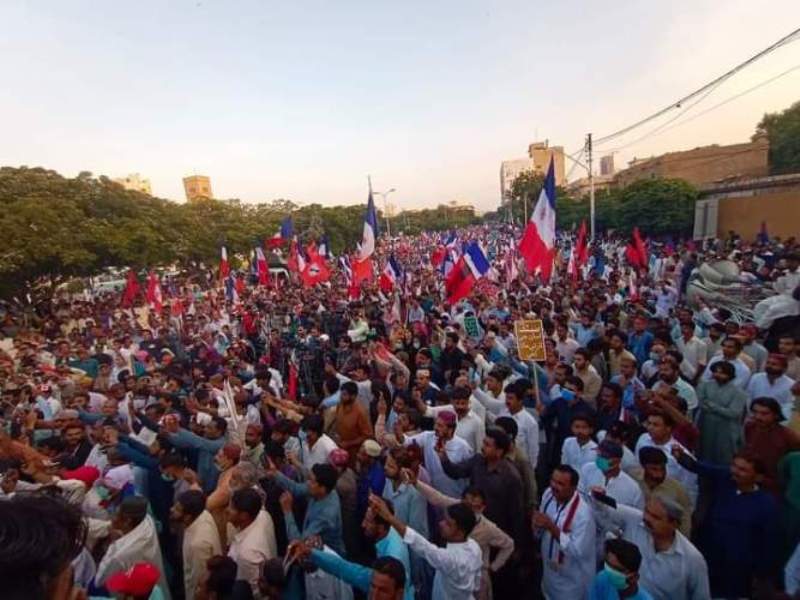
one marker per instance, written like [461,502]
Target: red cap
[139,580]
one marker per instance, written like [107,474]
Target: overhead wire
[702,91]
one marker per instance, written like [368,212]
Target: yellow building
[540,154]
[197,187]
[136,183]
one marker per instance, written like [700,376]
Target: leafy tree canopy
[783,132]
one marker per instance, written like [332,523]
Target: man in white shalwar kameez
[139,543]
[567,528]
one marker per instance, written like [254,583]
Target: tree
[783,132]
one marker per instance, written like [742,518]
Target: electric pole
[591,184]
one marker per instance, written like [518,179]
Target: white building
[135,183]
[509,171]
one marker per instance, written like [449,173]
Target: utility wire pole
[591,183]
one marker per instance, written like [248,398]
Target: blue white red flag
[537,245]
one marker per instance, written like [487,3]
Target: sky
[303,100]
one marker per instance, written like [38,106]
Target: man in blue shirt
[323,514]
[640,340]
[620,575]
[388,545]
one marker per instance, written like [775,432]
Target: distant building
[607,165]
[509,171]
[580,187]
[197,187]
[136,183]
[703,165]
[540,154]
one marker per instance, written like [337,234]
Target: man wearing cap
[722,405]
[605,473]
[774,383]
[371,477]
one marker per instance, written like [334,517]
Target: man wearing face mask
[605,475]
[722,405]
[620,575]
[671,566]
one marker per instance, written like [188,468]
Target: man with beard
[767,438]
[774,383]
[722,405]
[739,531]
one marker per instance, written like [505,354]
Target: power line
[702,90]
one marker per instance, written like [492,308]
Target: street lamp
[385,209]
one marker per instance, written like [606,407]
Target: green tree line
[56,227]
[656,206]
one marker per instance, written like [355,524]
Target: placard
[530,339]
[471,326]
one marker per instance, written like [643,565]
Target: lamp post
[385,211]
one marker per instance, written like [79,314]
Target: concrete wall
[744,214]
[703,165]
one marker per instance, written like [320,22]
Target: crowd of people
[309,442]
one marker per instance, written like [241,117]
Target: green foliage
[783,132]
[56,228]
[656,206]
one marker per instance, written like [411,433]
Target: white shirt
[621,488]
[252,547]
[457,451]
[742,370]
[674,469]
[470,428]
[780,390]
[527,434]
[569,561]
[200,542]
[575,455]
[695,353]
[679,573]
[493,405]
[318,454]
[566,348]
[458,566]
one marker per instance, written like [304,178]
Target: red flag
[239,285]
[316,271]
[362,271]
[581,247]
[154,296]
[131,290]
[224,267]
[438,256]
[636,251]
[293,264]
[262,268]
[292,385]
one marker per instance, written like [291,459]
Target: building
[743,204]
[579,188]
[509,171]
[607,165]
[541,153]
[136,183]
[197,187]
[703,165]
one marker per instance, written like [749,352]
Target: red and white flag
[262,268]
[537,245]
[154,296]
[224,267]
